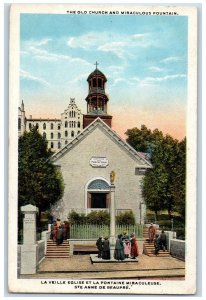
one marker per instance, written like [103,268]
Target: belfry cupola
[97,99]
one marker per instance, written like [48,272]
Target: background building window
[44,126]
[78,124]
[52,145]
[59,145]
[30,126]
[59,126]
[72,133]
[19,123]
[37,125]
[59,135]
[66,124]
[52,135]
[66,142]
[44,135]
[52,126]
[66,133]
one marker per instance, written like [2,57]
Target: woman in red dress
[134,247]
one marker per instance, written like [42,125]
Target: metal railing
[88,231]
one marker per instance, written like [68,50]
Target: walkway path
[80,266]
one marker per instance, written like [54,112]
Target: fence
[87,231]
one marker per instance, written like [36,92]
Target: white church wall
[77,171]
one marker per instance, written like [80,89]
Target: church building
[87,161]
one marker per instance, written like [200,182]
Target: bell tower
[97,99]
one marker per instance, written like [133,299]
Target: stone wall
[40,251]
[18,259]
[177,248]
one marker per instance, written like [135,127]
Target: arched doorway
[97,195]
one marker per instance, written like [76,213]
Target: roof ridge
[112,133]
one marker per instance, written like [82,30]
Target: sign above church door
[99,162]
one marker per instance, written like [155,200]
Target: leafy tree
[40,182]
[164,184]
[179,179]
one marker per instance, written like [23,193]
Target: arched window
[70,114]
[66,124]
[52,145]
[74,124]
[78,132]
[99,82]
[44,135]
[30,126]
[72,133]
[44,126]
[74,114]
[52,135]
[66,133]
[37,125]
[59,126]
[52,126]
[94,82]
[19,123]
[66,142]
[70,124]
[59,135]
[59,145]
[78,124]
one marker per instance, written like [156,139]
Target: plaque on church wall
[99,162]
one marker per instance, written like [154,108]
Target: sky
[143,57]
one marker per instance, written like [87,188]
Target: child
[127,248]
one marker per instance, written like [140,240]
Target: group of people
[125,247]
[59,231]
[159,240]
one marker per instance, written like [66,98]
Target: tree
[40,182]
[179,179]
[164,185]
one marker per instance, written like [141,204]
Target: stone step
[57,251]
[55,246]
[159,255]
[57,256]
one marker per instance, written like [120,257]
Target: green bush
[126,218]
[101,217]
[75,218]
[98,217]
[94,217]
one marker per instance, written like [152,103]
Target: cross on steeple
[96,64]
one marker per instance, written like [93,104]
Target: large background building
[58,132]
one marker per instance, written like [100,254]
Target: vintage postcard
[102,149]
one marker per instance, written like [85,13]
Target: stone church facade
[86,164]
[87,150]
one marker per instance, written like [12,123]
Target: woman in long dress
[119,248]
[105,248]
[134,247]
